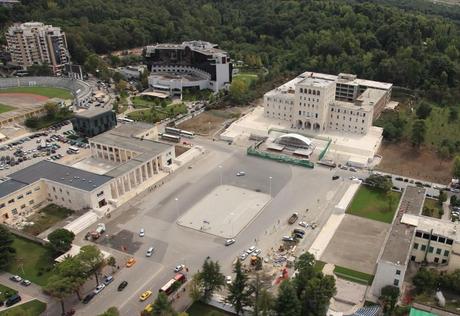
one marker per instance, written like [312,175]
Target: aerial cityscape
[217,158]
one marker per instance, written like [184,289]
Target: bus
[171,138]
[173,284]
[74,150]
[172,131]
[124,119]
[187,134]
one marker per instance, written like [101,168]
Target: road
[292,188]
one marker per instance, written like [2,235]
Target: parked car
[26,282]
[108,279]
[122,286]
[179,268]
[335,177]
[16,278]
[243,256]
[12,300]
[303,224]
[88,298]
[287,238]
[99,288]
[240,173]
[149,252]
[251,249]
[228,279]
[130,262]
[142,233]
[229,242]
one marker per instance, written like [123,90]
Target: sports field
[49,92]
[5,108]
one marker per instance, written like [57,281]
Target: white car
[257,252]
[251,249]
[179,268]
[243,256]
[229,242]
[228,279]
[142,233]
[99,288]
[240,173]
[303,224]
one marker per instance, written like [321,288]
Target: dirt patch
[22,99]
[179,150]
[422,164]
[209,122]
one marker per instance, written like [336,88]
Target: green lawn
[373,204]
[32,308]
[432,208]
[45,218]
[143,102]
[154,115]
[201,309]
[352,275]
[247,77]
[5,108]
[6,292]
[319,265]
[33,261]
[49,92]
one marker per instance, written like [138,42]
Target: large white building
[321,102]
[36,43]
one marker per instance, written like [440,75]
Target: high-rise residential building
[36,43]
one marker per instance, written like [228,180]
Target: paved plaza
[356,244]
[225,211]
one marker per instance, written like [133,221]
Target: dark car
[122,286]
[12,300]
[335,177]
[88,298]
[299,231]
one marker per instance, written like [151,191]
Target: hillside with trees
[376,41]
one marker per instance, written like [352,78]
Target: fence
[251,151]
[324,151]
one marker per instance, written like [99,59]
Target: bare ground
[405,160]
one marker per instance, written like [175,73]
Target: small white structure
[294,140]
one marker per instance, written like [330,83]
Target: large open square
[356,244]
[225,211]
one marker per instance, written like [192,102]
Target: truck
[293,218]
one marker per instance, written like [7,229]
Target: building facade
[320,102]
[194,64]
[94,122]
[36,43]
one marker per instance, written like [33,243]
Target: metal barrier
[324,151]
[251,151]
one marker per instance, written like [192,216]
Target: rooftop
[9,186]
[92,112]
[315,82]
[77,178]
[400,238]
[199,46]
[432,225]
[131,128]
[348,78]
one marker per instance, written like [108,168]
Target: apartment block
[36,43]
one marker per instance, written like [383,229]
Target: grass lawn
[49,92]
[352,275]
[45,218]
[143,102]
[319,265]
[373,204]
[158,114]
[32,308]
[6,292]
[432,208]
[196,95]
[34,262]
[5,108]
[247,77]
[201,309]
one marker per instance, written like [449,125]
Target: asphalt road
[292,188]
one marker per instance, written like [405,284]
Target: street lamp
[220,173]
[270,184]
[177,207]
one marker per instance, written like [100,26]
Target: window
[29,193]
[398,272]
[56,197]
[20,196]
[415,246]
[436,259]
[423,248]
[444,261]
[67,192]
[418,234]
[11,201]
[395,282]
[426,236]
[363,121]
[14,211]
[430,249]
[54,189]
[434,237]
[300,112]
[446,253]
[60,190]
[438,251]
[441,239]
[318,93]
[449,241]
[31,202]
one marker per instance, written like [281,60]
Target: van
[149,252]
[12,300]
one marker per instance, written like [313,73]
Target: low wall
[251,151]
[22,234]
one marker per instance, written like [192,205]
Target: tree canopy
[7,253]
[61,240]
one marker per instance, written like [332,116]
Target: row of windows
[268,113]
[280,101]
[19,197]
[338,117]
[343,125]
[56,198]
[308,105]
[310,91]
[436,259]
[431,249]
[312,99]
[350,112]
[440,239]
[14,211]
[308,114]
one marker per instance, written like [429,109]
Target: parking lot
[51,144]
[292,188]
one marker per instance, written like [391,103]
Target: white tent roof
[302,138]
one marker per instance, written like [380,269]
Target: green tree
[418,133]
[380,182]
[239,294]
[92,260]
[238,90]
[59,287]
[112,262]
[265,303]
[456,169]
[60,240]
[40,70]
[425,280]
[389,295]
[7,252]
[52,109]
[453,114]
[287,303]
[112,311]
[315,299]
[162,306]
[72,270]
[210,278]
[195,289]
[423,111]
[442,197]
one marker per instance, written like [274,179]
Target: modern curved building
[195,64]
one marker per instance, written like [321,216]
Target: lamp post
[177,207]
[220,174]
[270,184]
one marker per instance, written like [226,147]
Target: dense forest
[384,42]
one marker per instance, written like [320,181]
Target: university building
[36,43]
[321,102]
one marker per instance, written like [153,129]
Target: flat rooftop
[434,226]
[315,82]
[92,112]
[361,82]
[47,170]
[399,241]
[131,128]
[9,186]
